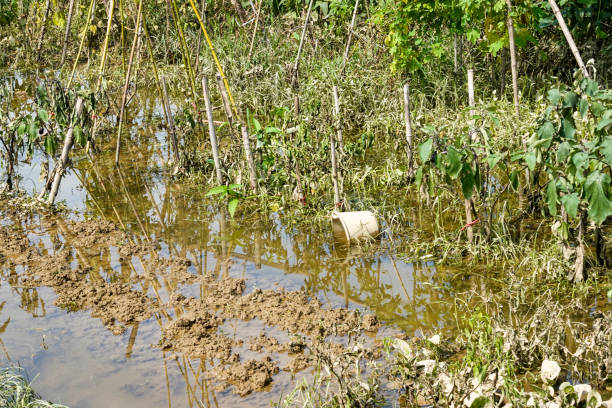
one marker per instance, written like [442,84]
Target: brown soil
[195,331]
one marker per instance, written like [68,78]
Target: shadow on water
[83,364]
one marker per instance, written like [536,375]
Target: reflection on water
[82,364]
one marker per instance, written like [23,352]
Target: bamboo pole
[76,60]
[42,29]
[105,46]
[170,121]
[334,170]
[127,82]
[122,20]
[68,143]
[513,60]
[468,201]
[255,30]
[296,65]
[214,55]
[67,32]
[197,58]
[350,37]
[225,101]
[568,36]
[249,159]
[211,131]
[337,118]
[407,120]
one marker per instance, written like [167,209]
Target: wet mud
[189,326]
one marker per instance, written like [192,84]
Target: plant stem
[211,131]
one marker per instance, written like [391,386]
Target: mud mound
[252,375]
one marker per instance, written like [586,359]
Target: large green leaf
[546,130]
[604,123]
[563,151]
[597,188]
[606,150]
[79,135]
[584,107]
[530,159]
[551,197]
[217,190]
[570,100]
[425,150]
[454,162]
[570,203]
[554,96]
[231,206]
[568,129]
[514,180]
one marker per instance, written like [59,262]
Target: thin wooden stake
[42,30]
[249,158]
[337,118]
[67,32]
[296,65]
[334,169]
[170,121]
[472,103]
[63,162]
[468,201]
[568,36]
[127,82]
[513,61]
[83,35]
[407,120]
[211,131]
[225,100]
[105,46]
[350,37]
[255,30]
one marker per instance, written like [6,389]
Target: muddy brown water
[88,354]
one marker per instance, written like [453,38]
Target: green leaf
[606,150]
[454,162]
[604,123]
[231,206]
[597,188]
[467,182]
[554,96]
[418,178]
[592,87]
[563,151]
[272,129]
[570,100]
[597,109]
[480,402]
[50,145]
[257,125]
[551,197]
[546,130]
[570,203]
[425,150]
[514,180]
[530,160]
[568,129]
[584,107]
[217,190]
[79,135]
[43,115]
[493,159]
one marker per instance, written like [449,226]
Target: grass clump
[16,391]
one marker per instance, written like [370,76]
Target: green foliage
[231,192]
[573,147]
[16,391]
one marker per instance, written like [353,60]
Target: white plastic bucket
[354,225]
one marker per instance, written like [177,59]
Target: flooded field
[107,317]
